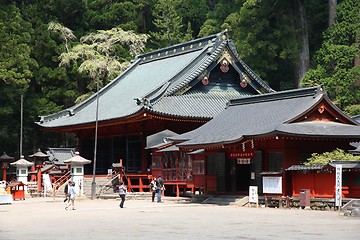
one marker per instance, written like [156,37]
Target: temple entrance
[238,175]
[232,174]
[242,177]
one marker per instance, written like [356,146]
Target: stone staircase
[351,208]
[104,189]
[239,200]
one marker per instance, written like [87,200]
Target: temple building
[264,140]
[178,88]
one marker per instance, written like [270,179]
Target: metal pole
[21,123]
[93,184]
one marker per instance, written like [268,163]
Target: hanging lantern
[243,83]
[205,81]
[224,66]
[321,109]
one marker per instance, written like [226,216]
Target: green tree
[219,12]
[97,55]
[324,158]
[108,14]
[334,62]
[193,12]
[16,65]
[169,27]
[265,34]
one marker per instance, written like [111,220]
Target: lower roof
[270,114]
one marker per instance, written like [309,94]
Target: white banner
[272,185]
[338,185]
[253,194]
[47,183]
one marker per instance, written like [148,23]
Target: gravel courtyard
[46,218]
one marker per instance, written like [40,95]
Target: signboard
[240,154]
[243,160]
[338,185]
[47,183]
[272,185]
[253,194]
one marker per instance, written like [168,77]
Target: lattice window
[275,162]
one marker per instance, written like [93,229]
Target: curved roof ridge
[274,96]
[198,69]
[338,110]
[258,79]
[176,46]
[168,81]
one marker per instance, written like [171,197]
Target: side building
[263,141]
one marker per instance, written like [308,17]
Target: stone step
[226,200]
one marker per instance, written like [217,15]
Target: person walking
[160,188]
[153,189]
[122,193]
[71,194]
[66,192]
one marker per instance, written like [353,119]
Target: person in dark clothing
[153,189]
[122,193]
[160,187]
[66,192]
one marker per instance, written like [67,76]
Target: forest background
[288,43]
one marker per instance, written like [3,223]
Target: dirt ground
[46,218]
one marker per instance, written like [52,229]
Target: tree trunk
[332,11]
[357,58]
[304,61]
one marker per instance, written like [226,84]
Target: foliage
[265,35]
[324,158]
[222,10]
[33,34]
[170,29]
[334,61]
[16,71]
[96,54]
[107,14]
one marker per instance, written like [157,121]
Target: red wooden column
[38,159]
[38,177]
[4,173]
[4,163]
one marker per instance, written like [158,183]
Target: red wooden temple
[178,88]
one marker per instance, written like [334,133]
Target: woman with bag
[71,194]
[153,189]
[122,193]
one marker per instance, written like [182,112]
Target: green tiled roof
[153,82]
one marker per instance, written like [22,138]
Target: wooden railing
[138,182]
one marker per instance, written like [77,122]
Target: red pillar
[4,173]
[177,191]
[39,179]
[33,177]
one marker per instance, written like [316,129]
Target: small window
[198,166]
[357,180]
[275,162]
[23,171]
[156,162]
[79,170]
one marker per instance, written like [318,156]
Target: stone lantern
[22,166]
[5,161]
[77,171]
[39,158]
